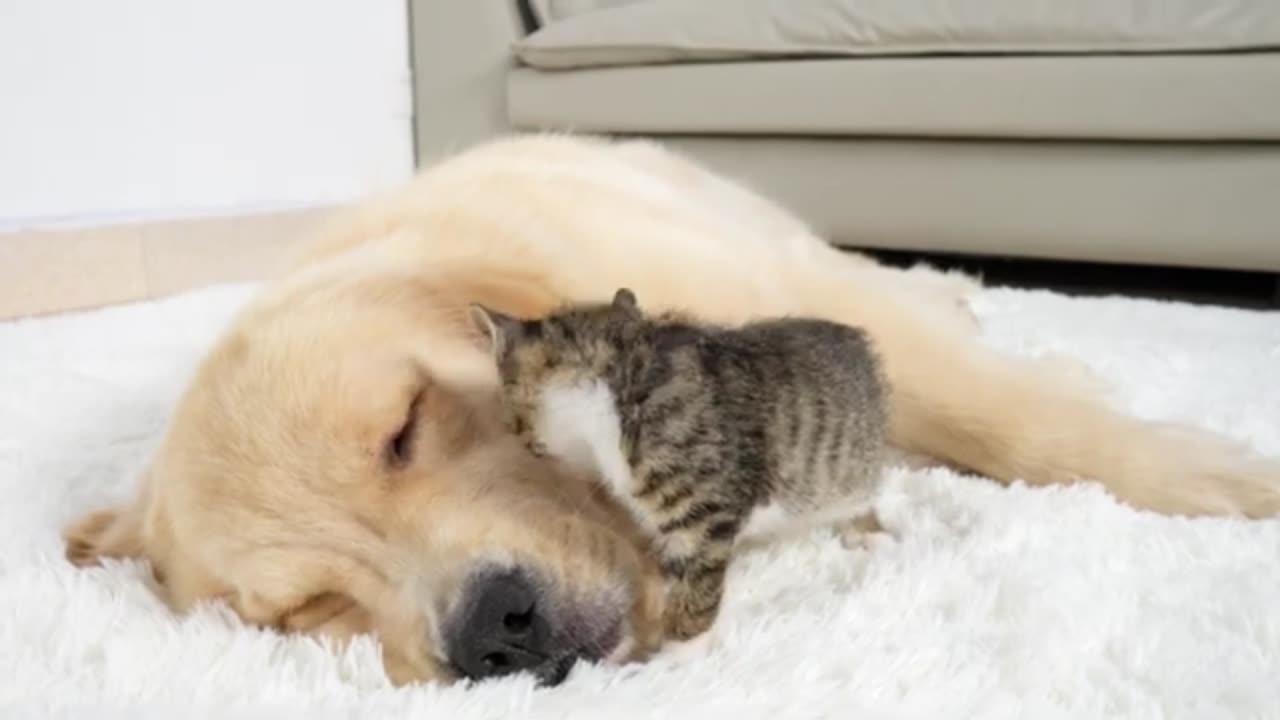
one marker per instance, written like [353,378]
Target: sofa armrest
[461,56]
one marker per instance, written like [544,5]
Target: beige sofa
[1104,130]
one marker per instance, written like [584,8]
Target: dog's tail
[1016,419]
[1013,419]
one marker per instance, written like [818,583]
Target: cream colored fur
[271,489]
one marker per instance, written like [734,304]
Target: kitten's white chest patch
[580,425]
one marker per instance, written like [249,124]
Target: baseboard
[51,271]
[1196,285]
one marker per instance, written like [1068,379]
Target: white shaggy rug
[995,603]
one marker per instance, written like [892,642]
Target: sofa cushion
[1150,97]
[594,33]
[549,11]
[1200,205]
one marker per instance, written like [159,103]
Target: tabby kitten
[697,429]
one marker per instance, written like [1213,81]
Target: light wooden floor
[51,271]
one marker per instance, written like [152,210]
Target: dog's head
[338,465]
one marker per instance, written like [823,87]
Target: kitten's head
[578,345]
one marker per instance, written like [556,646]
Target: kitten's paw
[682,651]
[693,598]
[689,613]
[686,626]
[860,532]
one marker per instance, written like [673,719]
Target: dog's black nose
[500,629]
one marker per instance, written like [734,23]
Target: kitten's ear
[496,328]
[625,301]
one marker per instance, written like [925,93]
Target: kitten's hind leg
[861,530]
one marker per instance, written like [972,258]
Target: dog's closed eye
[398,451]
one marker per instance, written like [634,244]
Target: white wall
[123,109]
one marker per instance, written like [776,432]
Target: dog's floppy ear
[497,329]
[115,533]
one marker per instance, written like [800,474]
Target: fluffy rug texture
[993,603]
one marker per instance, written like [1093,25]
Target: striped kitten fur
[698,429]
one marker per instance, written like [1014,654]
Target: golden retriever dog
[338,465]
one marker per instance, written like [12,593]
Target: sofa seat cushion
[1150,97]
[597,33]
